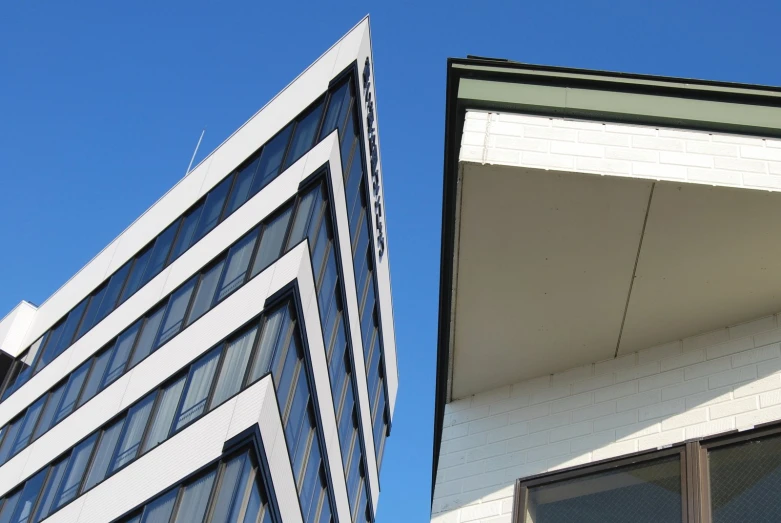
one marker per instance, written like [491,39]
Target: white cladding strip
[384,297]
[633,151]
[190,450]
[284,187]
[14,325]
[312,83]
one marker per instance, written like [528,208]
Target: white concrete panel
[13,327]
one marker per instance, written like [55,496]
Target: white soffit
[545,262]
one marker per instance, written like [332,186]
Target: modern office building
[609,330]
[230,356]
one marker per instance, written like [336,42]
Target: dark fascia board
[502,85]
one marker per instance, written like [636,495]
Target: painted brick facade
[621,150]
[707,384]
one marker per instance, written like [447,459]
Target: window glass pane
[49,351]
[354,476]
[28,423]
[195,498]
[204,296]
[271,242]
[47,416]
[327,282]
[649,492]
[160,252]
[30,492]
[241,188]
[91,314]
[8,507]
[325,513]
[136,274]
[285,376]
[352,191]
[72,390]
[242,490]
[233,366]
[346,423]
[298,410]
[11,431]
[320,249]
[212,208]
[69,327]
[302,217]
[187,232]
[159,510]
[95,377]
[348,138]
[310,483]
[133,432]
[337,108]
[304,134]
[254,504]
[50,490]
[120,354]
[361,508]
[103,454]
[744,481]
[238,262]
[77,463]
[164,415]
[111,296]
[271,159]
[301,440]
[230,481]
[266,344]
[147,337]
[198,384]
[379,417]
[174,315]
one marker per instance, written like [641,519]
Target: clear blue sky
[101,104]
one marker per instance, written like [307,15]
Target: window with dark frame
[728,478]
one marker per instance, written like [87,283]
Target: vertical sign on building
[373,158]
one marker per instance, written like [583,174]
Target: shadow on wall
[690,388]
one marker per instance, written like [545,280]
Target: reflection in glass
[648,492]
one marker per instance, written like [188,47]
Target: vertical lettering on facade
[373,158]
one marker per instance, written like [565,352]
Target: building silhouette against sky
[230,356]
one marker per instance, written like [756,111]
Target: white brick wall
[690,388]
[621,150]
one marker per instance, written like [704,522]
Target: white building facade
[609,343]
[231,355]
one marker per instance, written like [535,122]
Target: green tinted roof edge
[696,104]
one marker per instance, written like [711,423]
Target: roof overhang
[631,243]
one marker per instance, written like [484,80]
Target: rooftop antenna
[195,151]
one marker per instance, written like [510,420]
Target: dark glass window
[648,492]
[268,340]
[50,490]
[174,314]
[95,377]
[77,464]
[238,262]
[160,252]
[271,159]
[72,389]
[185,237]
[136,273]
[111,296]
[120,354]
[204,296]
[348,139]
[195,499]
[338,106]
[234,364]
[27,425]
[241,189]
[198,384]
[9,506]
[212,209]
[49,350]
[103,454]
[10,433]
[164,414]
[271,241]
[91,314]
[301,221]
[132,432]
[306,130]
[147,337]
[233,478]
[47,416]
[30,491]
[159,510]
[69,328]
